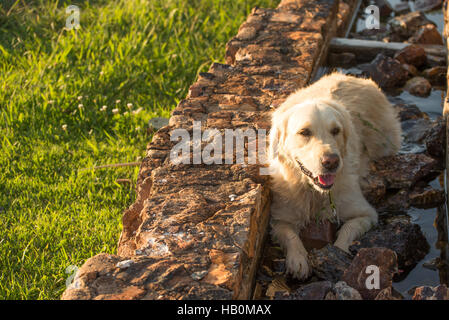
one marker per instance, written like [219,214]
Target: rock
[342,291]
[312,291]
[435,264]
[405,170]
[436,75]
[427,34]
[407,24]
[418,86]
[440,292]
[373,188]
[427,5]
[341,59]
[436,139]
[407,111]
[427,198]
[415,130]
[317,235]
[413,55]
[385,71]
[412,71]
[389,294]
[329,263]
[404,238]
[371,271]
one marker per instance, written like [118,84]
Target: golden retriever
[321,141]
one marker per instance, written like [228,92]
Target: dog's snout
[330,161]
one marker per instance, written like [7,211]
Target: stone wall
[196,231]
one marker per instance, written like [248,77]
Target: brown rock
[404,238]
[427,34]
[361,272]
[312,291]
[405,170]
[436,139]
[318,234]
[436,75]
[407,24]
[418,86]
[342,291]
[440,292]
[385,8]
[434,61]
[427,198]
[413,55]
[329,263]
[385,71]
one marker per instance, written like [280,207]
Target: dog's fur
[345,116]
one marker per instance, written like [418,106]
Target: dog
[321,141]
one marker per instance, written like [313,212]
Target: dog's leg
[359,216]
[296,260]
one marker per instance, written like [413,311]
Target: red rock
[427,34]
[385,71]
[329,263]
[427,198]
[440,292]
[312,291]
[359,275]
[385,8]
[404,238]
[436,75]
[317,235]
[407,24]
[389,294]
[418,86]
[413,55]
[436,139]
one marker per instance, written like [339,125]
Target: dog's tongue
[327,179]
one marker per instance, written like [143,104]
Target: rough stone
[407,24]
[427,5]
[404,238]
[418,86]
[389,294]
[385,71]
[329,263]
[318,234]
[436,139]
[427,34]
[342,291]
[343,59]
[358,273]
[440,292]
[413,55]
[312,291]
[436,75]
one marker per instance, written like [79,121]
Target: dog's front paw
[297,265]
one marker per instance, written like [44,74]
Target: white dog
[321,141]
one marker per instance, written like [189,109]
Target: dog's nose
[330,161]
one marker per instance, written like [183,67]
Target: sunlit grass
[76,99]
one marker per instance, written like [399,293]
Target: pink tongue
[327,179]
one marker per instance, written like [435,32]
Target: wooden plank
[372,48]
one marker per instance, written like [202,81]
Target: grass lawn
[137,58]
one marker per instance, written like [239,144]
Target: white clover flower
[51,101]
[103,108]
[80,106]
[118,101]
[64,127]
[80,97]
[137,128]
[125,113]
[115,111]
[129,105]
[137,111]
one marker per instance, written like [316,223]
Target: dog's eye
[335,131]
[305,132]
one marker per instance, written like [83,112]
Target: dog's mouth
[324,181]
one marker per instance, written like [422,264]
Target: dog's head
[311,137]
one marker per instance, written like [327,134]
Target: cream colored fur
[368,129]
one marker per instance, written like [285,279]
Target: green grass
[131,51]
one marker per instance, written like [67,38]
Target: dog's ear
[277,134]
